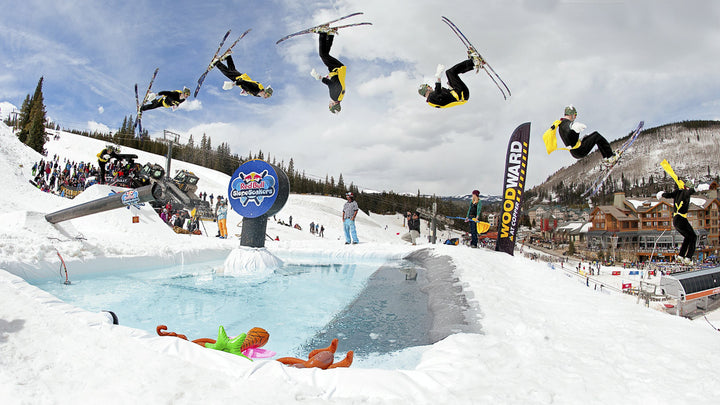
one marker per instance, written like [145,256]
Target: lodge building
[642,227]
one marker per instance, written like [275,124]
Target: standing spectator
[290,219]
[222,218]
[312,228]
[472,216]
[349,212]
[414,229]
[211,199]
[322,231]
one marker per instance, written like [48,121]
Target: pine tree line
[32,123]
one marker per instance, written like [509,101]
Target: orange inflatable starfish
[320,358]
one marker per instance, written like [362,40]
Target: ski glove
[660,194]
[702,187]
[228,85]
[578,127]
[439,72]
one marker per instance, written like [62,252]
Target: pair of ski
[607,170]
[138,116]
[215,59]
[485,66]
[326,26]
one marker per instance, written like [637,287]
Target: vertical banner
[514,186]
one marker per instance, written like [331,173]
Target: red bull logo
[252,187]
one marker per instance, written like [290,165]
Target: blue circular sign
[253,188]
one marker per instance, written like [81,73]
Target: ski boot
[610,161]
[476,58]
[326,29]
[221,58]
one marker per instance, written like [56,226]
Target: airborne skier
[241,80]
[569,132]
[168,99]
[681,202]
[335,80]
[458,93]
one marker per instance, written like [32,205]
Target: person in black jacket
[242,80]
[458,93]
[569,131]
[681,203]
[413,222]
[168,99]
[335,80]
[109,152]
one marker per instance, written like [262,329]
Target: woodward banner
[514,186]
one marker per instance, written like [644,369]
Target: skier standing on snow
[168,99]
[570,130]
[681,202]
[241,80]
[109,152]
[472,216]
[335,80]
[458,93]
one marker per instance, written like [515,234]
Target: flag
[513,188]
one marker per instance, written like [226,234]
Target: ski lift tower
[170,138]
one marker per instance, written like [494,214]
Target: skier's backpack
[550,138]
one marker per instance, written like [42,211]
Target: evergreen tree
[341,185]
[24,121]
[36,129]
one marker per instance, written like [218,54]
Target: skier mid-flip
[681,203]
[335,80]
[569,131]
[458,93]
[168,99]
[241,80]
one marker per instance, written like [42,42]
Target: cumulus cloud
[98,127]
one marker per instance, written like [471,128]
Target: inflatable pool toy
[255,339]
[225,344]
[320,358]
[245,345]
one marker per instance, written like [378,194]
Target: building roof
[697,281]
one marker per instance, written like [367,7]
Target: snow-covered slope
[544,338]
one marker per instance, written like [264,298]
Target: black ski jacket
[569,137]
[681,199]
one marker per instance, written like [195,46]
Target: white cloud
[101,109]
[98,127]
[618,62]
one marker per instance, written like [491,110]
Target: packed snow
[543,336]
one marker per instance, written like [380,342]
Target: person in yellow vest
[681,202]
[242,80]
[458,93]
[335,80]
[569,131]
[168,99]
[109,152]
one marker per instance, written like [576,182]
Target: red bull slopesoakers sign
[254,189]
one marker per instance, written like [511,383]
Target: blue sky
[618,62]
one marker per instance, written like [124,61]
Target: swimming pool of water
[372,309]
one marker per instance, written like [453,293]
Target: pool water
[370,310]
